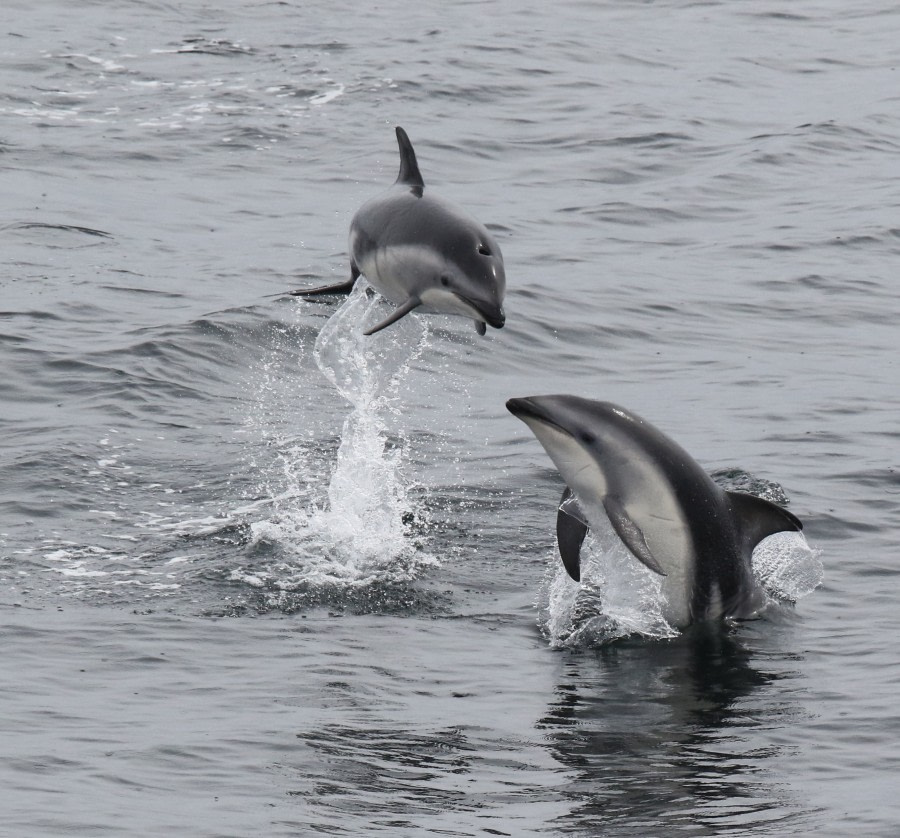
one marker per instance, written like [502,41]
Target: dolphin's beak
[496,319]
[527,408]
[518,407]
[536,409]
[491,313]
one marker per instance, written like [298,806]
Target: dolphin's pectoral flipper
[630,533]
[406,308]
[570,532]
[480,327]
[758,518]
[337,288]
[409,167]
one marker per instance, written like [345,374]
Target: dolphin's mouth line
[525,408]
[585,467]
[497,321]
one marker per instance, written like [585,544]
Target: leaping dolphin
[660,502]
[420,251]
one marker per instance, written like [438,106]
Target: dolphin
[420,251]
[660,502]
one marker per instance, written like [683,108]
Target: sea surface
[260,575]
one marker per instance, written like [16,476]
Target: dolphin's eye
[587,438]
[484,250]
[445,281]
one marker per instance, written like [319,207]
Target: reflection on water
[632,739]
[389,771]
[657,737]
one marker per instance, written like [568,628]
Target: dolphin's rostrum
[660,502]
[421,252]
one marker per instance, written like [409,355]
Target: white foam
[618,596]
[327,96]
[183,559]
[787,567]
[104,63]
[345,524]
[78,569]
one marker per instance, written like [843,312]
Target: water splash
[618,596]
[787,567]
[356,533]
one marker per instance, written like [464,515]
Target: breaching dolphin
[420,251]
[660,502]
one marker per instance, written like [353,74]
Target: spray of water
[787,567]
[618,596]
[355,533]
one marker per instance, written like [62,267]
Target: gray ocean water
[259,576]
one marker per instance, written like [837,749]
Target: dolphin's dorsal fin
[570,532]
[757,519]
[630,533]
[409,168]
